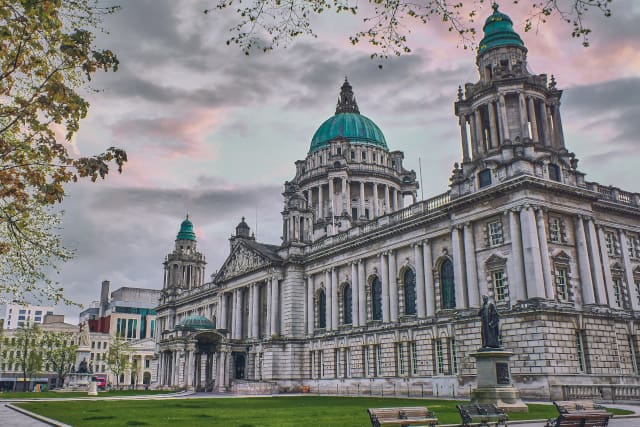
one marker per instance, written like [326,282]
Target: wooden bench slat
[408,416]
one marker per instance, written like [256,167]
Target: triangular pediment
[242,259]
[495,261]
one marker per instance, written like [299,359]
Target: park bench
[482,415]
[412,416]
[579,413]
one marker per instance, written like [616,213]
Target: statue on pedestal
[490,329]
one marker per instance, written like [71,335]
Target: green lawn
[64,395]
[322,411]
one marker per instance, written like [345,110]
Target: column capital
[467,224]
[426,242]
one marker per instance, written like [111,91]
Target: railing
[612,392]
[614,194]
[423,207]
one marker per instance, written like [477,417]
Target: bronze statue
[82,367]
[489,328]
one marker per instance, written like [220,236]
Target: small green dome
[348,123]
[498,31]
[358,129]
[195,323]
[186,231]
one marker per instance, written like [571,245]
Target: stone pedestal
[494,381]
[93,389]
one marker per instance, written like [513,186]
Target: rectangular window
[400,358]
[121,326]
[500,285]
[414,358]
[353,155]
[453,354]
[439,357]
[153,329]
[378,371]
[611,245]
[364,156]
[554,230]
[38,312]
[562,290]
[374,157]
[494,229]
[582,361]
[147,363]
[93,344]
[617,291]
[632,245]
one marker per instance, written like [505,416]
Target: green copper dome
[195,323]
[348,123]
[186,231]
[498,31]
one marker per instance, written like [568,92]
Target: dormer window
[339,151]
[374,158]
[353,155]
[554,172]
[484,178]
[364,156]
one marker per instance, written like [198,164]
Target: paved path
[12,418]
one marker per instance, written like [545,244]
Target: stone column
[544,121]
[557,121]
[328,293]
[222,315]
[599,280]
[310,307]
[628,270]
[429,294]
[334,298]
[275,307]
[608,280]
[362,299]
[479,131]
[531,251]
[320,202]
[269,309]
[256,310]
[387,208]
[375,212]
[474,136]
[362,197]
[551,127]
[190,369]
[471,266]
[355,302]
[384,272]
[393,287]
[347,187]
[332,197]
[458,270]
[544,254]
[465,142]
[584,266]
[418,261]
[492,125]
[394,200]
[523,116]
[234,314]
[250,316]
[504,119]
[534,121]
[515,261]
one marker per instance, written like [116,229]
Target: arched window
[409,293]
[322,309]
[346,305]
[376,299]
[447,284]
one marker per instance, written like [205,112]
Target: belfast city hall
[373,291]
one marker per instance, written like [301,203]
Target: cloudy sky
[215,133]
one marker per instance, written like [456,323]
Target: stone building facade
[366,294]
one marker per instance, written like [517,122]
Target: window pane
[409,293]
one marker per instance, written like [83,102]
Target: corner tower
[184,268]
[510,119]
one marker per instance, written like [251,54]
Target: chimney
[104,298]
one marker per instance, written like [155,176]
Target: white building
[17,315]
[365,294]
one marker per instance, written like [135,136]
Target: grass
[68,394]
[320,411]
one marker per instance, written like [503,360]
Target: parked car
[101,381]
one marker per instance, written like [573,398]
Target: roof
[349,124]
[186,230]
[498,31]
[195,322]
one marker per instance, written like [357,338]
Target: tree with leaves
[118,357]
[59,353]
[27,353]
[265,24]
[48,59]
